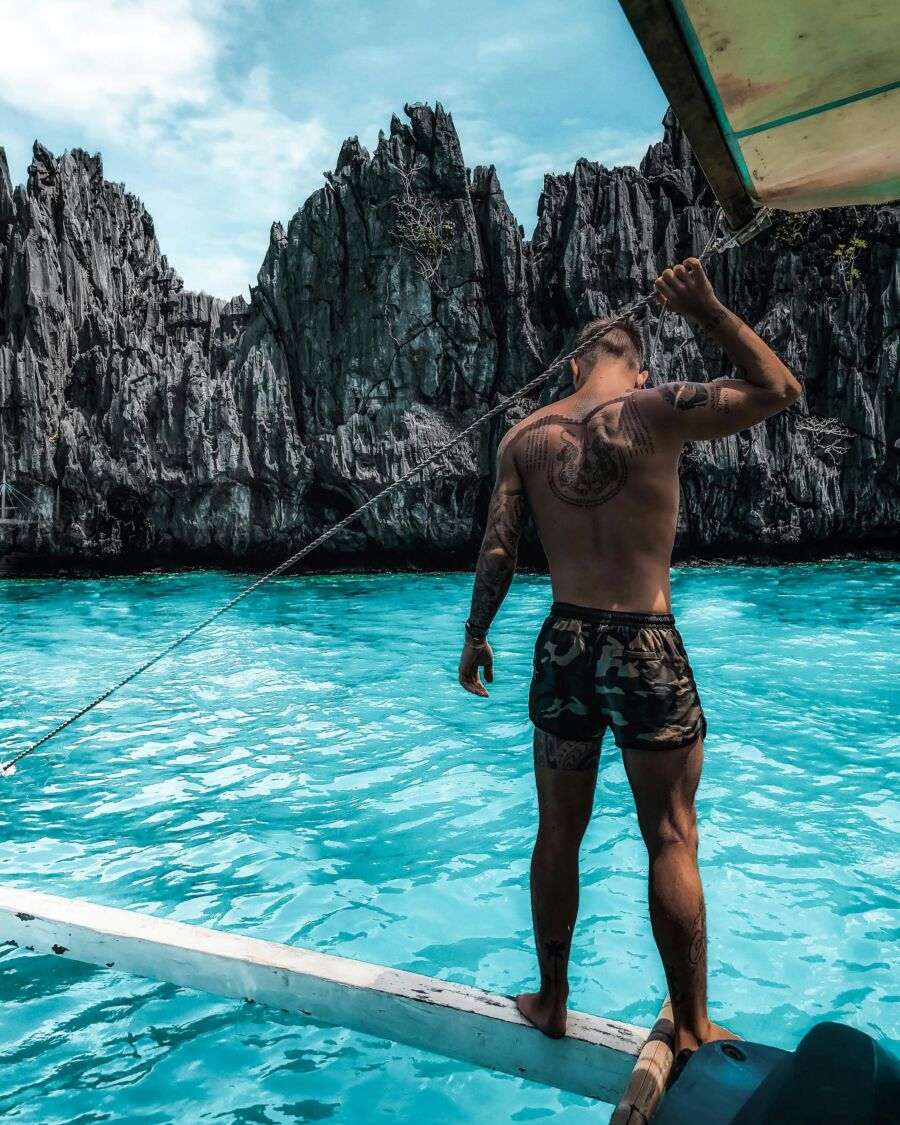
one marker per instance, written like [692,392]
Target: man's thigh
[565,771]
[565,755]
[664,784]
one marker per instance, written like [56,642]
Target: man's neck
[605,383]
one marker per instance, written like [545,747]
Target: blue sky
[221,115]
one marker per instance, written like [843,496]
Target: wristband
[474,631]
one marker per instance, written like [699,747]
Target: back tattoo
[590,467]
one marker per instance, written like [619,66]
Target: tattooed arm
[725,406]
[494,573]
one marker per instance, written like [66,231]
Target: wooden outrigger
[597,1058]
[648,1079]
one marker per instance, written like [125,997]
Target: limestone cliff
[151,425]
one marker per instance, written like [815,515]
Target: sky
[222,115]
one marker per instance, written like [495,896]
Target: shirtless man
[599,471]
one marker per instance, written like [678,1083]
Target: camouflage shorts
[595,669]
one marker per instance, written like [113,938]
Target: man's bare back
[603,492]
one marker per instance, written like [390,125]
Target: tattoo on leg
[556,953]
[696,957]
[697,949]
[676,992]
[555,753]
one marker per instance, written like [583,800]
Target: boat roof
[793,106]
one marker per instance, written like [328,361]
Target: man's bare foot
[546,1013]
[687,1040]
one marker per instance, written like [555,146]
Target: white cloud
[603,146]
[109,60]
[246,152]
[228,272]
[139,77]
[523,167]
[519,46]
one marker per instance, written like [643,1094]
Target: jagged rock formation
[152,425]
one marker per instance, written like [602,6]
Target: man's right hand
[686,290]
[475,657]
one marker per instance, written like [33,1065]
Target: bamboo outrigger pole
[648,1079]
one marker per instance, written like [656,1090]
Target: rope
[711,249]
[658,333]
[707,249]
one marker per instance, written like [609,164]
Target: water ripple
[310,772]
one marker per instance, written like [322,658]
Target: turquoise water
[310,772]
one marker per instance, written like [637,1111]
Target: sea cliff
[154,426]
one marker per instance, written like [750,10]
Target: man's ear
[642,378]
[576,374]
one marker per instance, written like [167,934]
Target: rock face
[150,425]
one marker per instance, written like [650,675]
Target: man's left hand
[471,660]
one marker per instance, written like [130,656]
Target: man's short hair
[625,341]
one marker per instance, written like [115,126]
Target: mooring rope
[713,247]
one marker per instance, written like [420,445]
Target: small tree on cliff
[422,227]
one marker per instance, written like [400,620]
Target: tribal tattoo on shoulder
[688,396]
[685,396]
[637,436]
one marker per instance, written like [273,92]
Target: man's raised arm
[698,411]
[494,573]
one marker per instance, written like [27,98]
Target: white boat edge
[595,1058]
